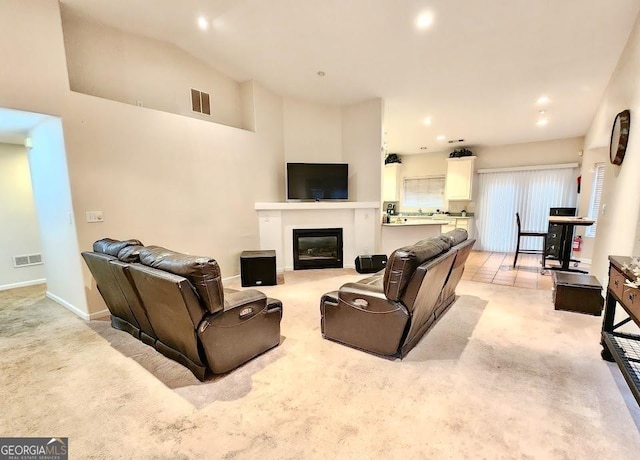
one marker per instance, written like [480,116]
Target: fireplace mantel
[298,205]
[360,221]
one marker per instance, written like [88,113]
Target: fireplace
[317,248]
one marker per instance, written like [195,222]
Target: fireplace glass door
[317,248]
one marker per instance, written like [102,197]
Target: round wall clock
[619,137]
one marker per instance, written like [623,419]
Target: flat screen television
[317,181]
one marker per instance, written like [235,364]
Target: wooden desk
[624,348]
[568,225]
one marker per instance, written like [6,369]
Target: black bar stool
[522,233]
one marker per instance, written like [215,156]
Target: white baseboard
[68,306]
[230,278]
[5,287]
[99,314]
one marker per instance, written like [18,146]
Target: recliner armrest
[367,298]
[245,297]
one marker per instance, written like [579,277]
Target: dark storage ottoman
[258,268]
[577,292]
[370,264]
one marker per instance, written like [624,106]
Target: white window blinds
[423,192]
[528,192]
[594,201]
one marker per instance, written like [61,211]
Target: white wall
[312,132]
[52,196]
[362,149]
[167,179]
[529,153]
[19,229]
[106,62]
[618,226]
[33,75]
[500,156]
[587,171]
[173,181]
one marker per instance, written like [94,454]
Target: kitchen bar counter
[409,224]
[394,235]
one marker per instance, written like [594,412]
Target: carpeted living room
[502,375]
[396,229]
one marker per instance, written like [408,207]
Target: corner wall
[52,197]
[107,62]
[589,159]
[362,149]
[500,156]
[19,229]
[618,225]
[170,180]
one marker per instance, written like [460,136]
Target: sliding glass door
[528,192]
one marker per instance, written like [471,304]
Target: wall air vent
[27,260]
[200,102]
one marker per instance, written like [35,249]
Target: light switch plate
[94,216]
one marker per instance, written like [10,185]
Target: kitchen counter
[410,224]
[432,217]
[394,236]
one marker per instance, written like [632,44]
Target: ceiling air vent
[200,102]
[27,260]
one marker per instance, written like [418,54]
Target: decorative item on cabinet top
[392,158]
[461,152]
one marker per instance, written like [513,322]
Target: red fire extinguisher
[577,244]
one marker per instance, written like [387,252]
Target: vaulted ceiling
[477,71]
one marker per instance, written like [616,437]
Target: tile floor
[497,268]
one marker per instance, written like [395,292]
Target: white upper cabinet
[459,182]
[391,182]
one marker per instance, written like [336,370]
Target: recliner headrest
[455,236]
[404,261]
[202,272]
[113,247]
[130,254]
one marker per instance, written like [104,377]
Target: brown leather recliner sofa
[177,304]
[388,313]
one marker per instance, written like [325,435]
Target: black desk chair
[522,233]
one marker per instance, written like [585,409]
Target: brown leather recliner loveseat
[177,304]
[388,313]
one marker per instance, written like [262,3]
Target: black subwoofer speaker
[258,268]
[370,264]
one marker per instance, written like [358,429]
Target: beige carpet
[502,375]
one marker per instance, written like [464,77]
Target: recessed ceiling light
[203,23]
[542,122]
[441,137]
[321,73]
[542,100]
[424,21]
[427,121]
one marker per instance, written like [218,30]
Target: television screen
[317,181]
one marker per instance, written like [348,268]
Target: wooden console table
[622,347]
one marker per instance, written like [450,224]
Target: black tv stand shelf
[622,347]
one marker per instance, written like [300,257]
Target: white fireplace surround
[359,221]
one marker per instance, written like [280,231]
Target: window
[423,192]
[596,195]
[531,192]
